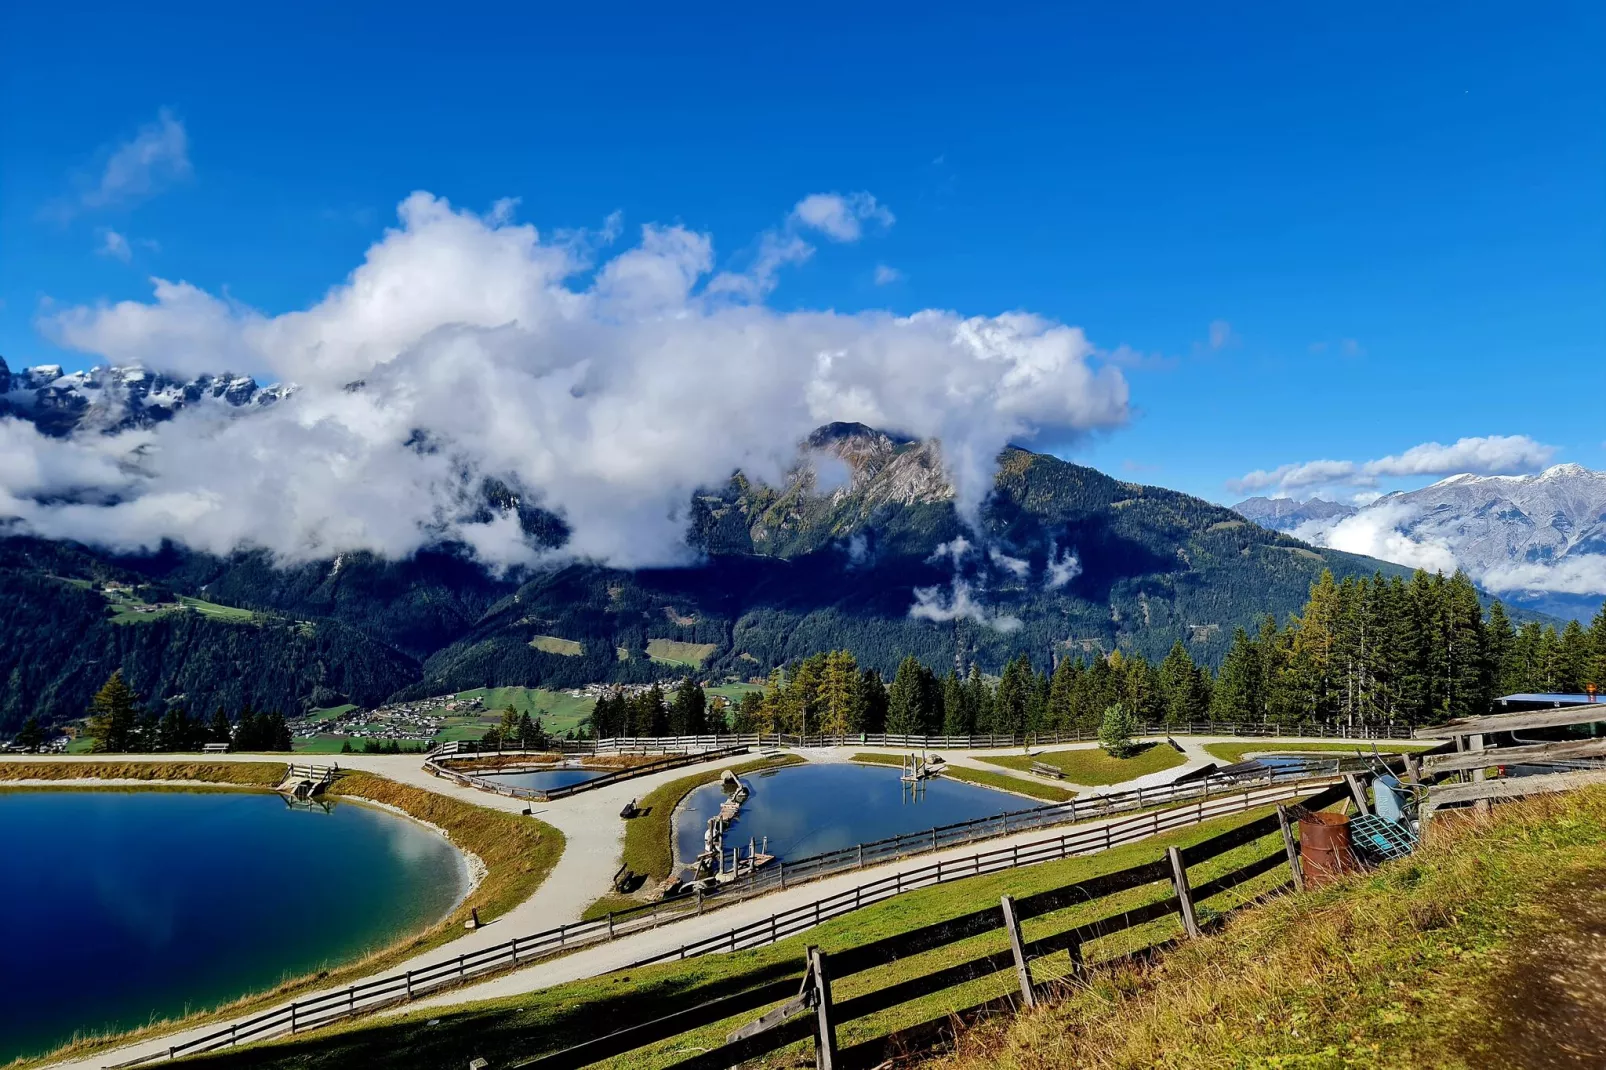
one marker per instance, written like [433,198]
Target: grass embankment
[532,1023]
[1484,949]
[1092,767]
[648,849]
[1035,789]
[1233,753]
[518,853]
[245,774]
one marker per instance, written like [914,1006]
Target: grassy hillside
[1485,949]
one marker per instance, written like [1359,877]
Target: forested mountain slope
[864,548]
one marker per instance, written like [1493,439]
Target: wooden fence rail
[435,767]
[810,989]
[375,994]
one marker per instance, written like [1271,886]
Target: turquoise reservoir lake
[117,908]
[809,809]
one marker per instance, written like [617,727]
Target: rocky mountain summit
[114,399]
[1538,538]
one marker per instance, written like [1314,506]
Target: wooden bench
[1044,769]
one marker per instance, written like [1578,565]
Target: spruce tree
[906,699]
[958,716]
[688,713]
[114,715]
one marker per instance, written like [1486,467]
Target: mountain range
[1536,540]
[110,400]
[861,546]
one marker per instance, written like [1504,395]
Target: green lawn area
[324,744]
[733,693]
[329,713]
[212,609]
[551,644]
[1233,753]
[1037,789]
[559,710]
[1095,768]
[670,652]
[532,1023]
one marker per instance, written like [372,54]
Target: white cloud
[959,603]
[156,156]
[1220,334]
[114,245]
[1063,566]
[840,217]
[1375,533]
[1487,455]
[608,402]
[886,276]
[1020,567]
[1583,574]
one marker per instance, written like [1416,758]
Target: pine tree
[906,698]
[688,713]
[1116,730]
[113,715]
[871,702]
[1059,711]
[1573,659]
[218,731]
[838,686]
[1181,696]
[958,716]
[1011,700]
[1595,673]
[31,736]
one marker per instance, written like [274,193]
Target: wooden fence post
[1291,848]
[1023,970]
[1358,791]
[1179,881]
[825,1029]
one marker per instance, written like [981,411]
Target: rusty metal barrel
[1324,847]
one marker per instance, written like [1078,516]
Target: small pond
[120,907]
[809,809]
[546,779]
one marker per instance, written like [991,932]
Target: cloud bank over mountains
[1488,455]
[603,388]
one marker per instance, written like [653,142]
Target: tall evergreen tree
[906,699]
[688,713]
[871,703]
[114,715]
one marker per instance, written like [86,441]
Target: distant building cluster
[418,721]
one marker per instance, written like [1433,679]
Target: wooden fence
[434,766]
[802,1004]
[655,744]
[363,997]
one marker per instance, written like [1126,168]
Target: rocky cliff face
[110,400]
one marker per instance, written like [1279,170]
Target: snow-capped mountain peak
[1539,539]
[112,399]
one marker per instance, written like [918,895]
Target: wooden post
[1023,970]
[1483,807]
[1291,848]
[1179,881]
[825,1029]
[1357,790]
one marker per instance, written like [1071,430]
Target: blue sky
[1311,234]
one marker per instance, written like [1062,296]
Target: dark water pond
[809,809]
[544,779]
[120,907]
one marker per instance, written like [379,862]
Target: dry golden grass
[249,774]
[1406,966]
